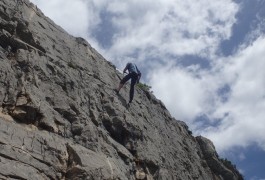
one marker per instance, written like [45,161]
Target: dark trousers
[133,76]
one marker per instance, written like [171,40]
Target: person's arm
[125,69]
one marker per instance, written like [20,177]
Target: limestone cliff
[61,119]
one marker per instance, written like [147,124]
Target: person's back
[132,68]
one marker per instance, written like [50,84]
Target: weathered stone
[61,119]
[140,174]
[217,166]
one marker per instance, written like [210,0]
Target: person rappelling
[134,74]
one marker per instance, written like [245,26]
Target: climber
[134,74]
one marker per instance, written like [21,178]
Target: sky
[204,59]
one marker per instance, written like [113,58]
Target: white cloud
[242,156]
[170,27]
[78,17]
[244,122]
[180,90]
[73,16]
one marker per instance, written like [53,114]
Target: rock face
[61,119]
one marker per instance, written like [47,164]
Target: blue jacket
[132,68]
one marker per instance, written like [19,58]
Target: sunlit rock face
[61,119]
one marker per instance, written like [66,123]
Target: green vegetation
[72,65]
[228,163]
[144,86]
[190,132]
[231,167]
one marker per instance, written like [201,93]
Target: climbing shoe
[128,105]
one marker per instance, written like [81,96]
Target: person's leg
[119,87]
[123,81]
[133,82]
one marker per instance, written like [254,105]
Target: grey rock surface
[61,119]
